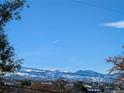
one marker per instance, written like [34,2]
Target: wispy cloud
[118,24]
[55,41]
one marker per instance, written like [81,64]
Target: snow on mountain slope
[36,74]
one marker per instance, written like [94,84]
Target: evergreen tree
[9,10]
[79,86]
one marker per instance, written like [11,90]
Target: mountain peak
[88,72]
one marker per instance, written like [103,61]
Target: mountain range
[38,75]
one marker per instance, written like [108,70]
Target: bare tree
[117,67]
[60,84]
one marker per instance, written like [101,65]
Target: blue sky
[69,35]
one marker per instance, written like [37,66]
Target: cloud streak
[119,24]
[55,41]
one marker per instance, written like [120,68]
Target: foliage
[9,10]
[25,82]
[8,61]
[79,86]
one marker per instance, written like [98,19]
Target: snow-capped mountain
[89,72]
[36,74]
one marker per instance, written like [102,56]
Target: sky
[69,35]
